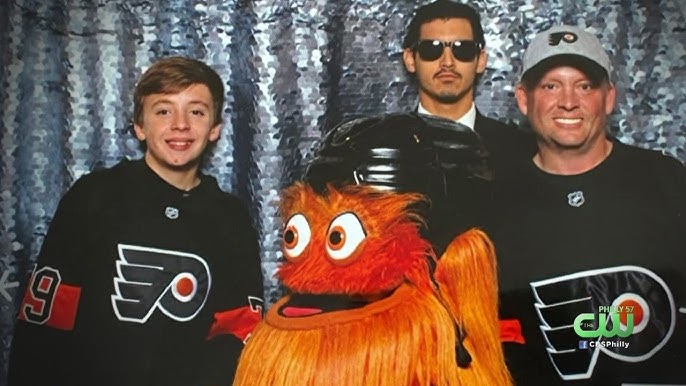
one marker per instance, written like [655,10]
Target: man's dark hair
[443,9]
[596,74]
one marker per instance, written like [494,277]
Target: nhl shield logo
[171,213]
[576,199]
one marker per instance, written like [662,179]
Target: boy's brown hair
[174,74]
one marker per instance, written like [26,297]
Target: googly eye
[296,236]
[344,236]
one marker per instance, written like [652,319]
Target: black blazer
[505,142]
[473,204]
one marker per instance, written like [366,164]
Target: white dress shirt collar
[467,119]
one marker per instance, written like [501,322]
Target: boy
[148,267]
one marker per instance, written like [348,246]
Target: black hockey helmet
[405,152]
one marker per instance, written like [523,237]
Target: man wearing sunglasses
[444,51]
[444,48]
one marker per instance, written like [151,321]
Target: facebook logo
[583,344]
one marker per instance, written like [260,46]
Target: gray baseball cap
[566,40]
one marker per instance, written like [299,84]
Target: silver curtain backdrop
[293,69]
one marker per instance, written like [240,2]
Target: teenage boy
[149,273]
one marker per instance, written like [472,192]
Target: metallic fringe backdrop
[293,69]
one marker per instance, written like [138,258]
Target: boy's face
[177,128]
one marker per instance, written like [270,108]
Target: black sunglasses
[462,50]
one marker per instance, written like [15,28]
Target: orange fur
[408,337]
[392,252]
[409,342]
[467,278]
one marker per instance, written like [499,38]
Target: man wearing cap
[591,244]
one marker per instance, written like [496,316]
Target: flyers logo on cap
[568,37]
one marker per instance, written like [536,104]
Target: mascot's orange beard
[407,338]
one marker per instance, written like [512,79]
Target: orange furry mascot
[365,308]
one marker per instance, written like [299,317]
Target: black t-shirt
[568,245]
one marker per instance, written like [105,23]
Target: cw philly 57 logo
[613,321]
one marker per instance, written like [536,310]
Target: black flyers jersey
[594,268]
[139,283]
